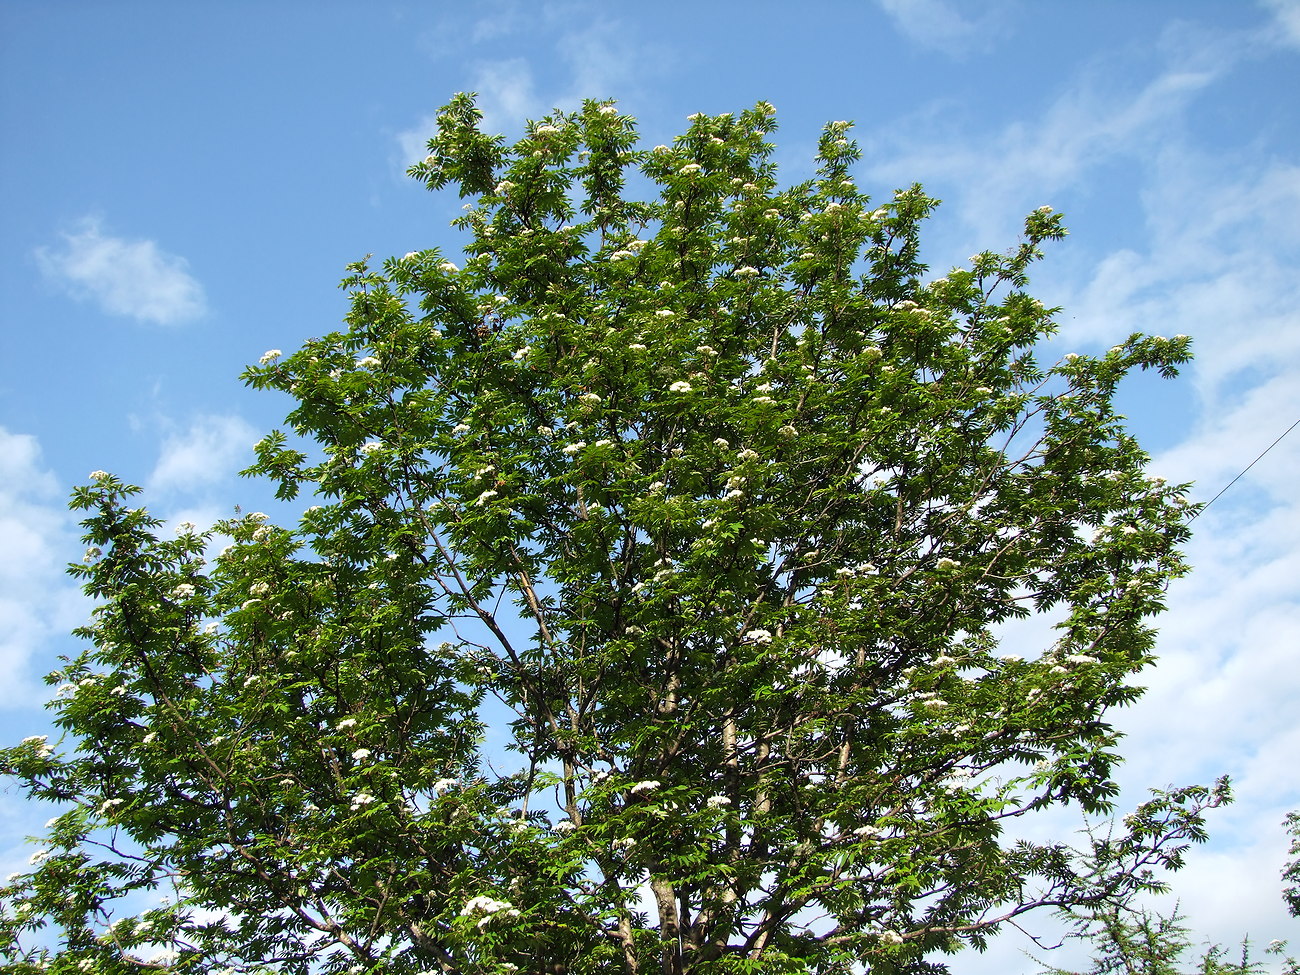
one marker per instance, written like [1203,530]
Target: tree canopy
[648,612]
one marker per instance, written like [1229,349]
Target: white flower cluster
[647,786]
[41,744]
[489,908]
[270,355]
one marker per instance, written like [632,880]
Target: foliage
[1143,942]
[1291,872]
[724,504]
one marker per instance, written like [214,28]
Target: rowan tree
[725,503]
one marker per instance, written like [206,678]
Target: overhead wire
[1243,472]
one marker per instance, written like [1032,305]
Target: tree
[724,504]
[1140,941]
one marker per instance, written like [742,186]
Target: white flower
[110,804]
[410,255]
[690,169]
[646,786]
[367,362]
[259,589]
[890,938]
[947,565]
[665,313]
[370,446]
[346,723]
[448,267]
[489,907]
[37,740]
[100,475]
[746,271]
[38,856]
[734,495]
[747,454]
[603,443]
[788,431]
[565,826]
[636,347]
[1044,209]
[1081,658]
[866,831]
[149,738]
[590,397]
[624,844]
[706,350]
[485,497]
[719,442]
[92,553]
[935,702]
[573,448]
[759,636]
[503,187]
[443,785]
[520,353]
[460,428]
[362,799]
[763,399]
[608,110]
[270,355]
[118,691]
[716,802]
[361,754]
[680,387]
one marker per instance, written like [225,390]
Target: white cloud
[210,449]
[37,600]
[1286,20]
[940,25]
[132,278]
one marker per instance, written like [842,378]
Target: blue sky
[182,184]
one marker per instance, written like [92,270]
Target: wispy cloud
[209,450]
[939,25]
[131,278]
[1286,20]
[37,601]
[599,60]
